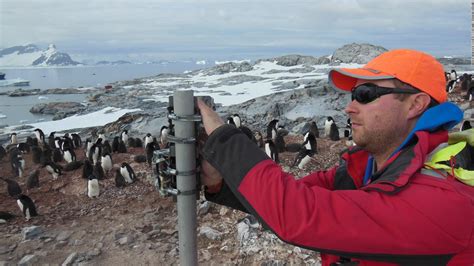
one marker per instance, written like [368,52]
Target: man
[381,205]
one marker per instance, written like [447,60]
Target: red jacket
[402,217]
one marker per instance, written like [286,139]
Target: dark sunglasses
[368,92]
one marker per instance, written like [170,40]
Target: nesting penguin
[127,173]
[27,206]
[93,189]
[14,190]
[53,169]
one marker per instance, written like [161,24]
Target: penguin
[53,169]
[23,147]
[465,125]
[309,149]
[93,189]
[272,129]
[334,132]
[150,148]
[46,155]
[100,138]
[36,154]
[6,216]
[127,173]
[31,142]
[121,147]
[69,155]
[313,128]
[76,140]
[119,180]
[94,153]
[27,206]
[327,126]
[230,121]
[98,171]
[138,143]
[88,147]
[237,120]
[148,139]
[106,148]
[280,140]
[14,190]
[348,130]
[32,180]
[57,155]
[58,142]
[67,143]
[271,150]
[124,136]
[39,136]
[164,133]
[106,162]
[87,169]
[74,165]
[18,164]
[51,139]
[13,138]
[115,144]
[3,152]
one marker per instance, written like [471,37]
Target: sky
[140,30]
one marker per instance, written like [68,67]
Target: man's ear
[419,103]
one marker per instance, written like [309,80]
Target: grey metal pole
[183,101]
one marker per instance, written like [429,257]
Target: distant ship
[12,82]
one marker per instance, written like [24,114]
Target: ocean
[15,110]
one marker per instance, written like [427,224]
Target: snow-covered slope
[31,55]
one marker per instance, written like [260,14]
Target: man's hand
[210,119]
[209,175]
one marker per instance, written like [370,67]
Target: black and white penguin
[124,136]
[101,138]
[27,206]
[327,125]
[106,162]
[31,141]
[73,166]
[51,139]
[122,148]
[272,129]
[271,150]
[32,180]
[334,132]
[280,140]
[465,125]
[13,138]
[53,169]
[69,155]
[98,172]
[127,173]
[39,136]
[309,149]
[76,140]
[94,153]
[237,120]
[148,139]
[115,144]
[57,155]
[106,148]
[119,180]
[164,133]
[14,190]
[23,147]
[230,121]
[87,169]
[88,147]
[46,155]
[18,164]
[348,130]
[313,128]
[58,143]
[3,152]
[150,148]
[93,189]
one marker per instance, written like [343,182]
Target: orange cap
[416,68]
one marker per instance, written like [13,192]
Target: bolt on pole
[183,102]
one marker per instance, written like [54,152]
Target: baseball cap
[415,68]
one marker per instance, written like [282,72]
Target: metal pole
[186,184]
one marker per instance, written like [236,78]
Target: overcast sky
[233,29]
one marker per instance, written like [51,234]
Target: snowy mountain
[31,55]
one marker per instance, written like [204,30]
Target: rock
[357,53]
[223,211]
[243,232]
[21,92]
[63,236]
[70,259]
[31,232]
[204,207]
[28,260]
[125,240]
[210,233]
[53,108]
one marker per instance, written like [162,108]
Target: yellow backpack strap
[443,159]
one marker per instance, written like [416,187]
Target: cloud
[196,26]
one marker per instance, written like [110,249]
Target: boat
[12,82]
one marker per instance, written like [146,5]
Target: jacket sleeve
[355,223]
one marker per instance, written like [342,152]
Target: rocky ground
[134,225]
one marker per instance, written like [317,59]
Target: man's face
[380,124]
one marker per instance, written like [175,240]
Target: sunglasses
[368,92]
